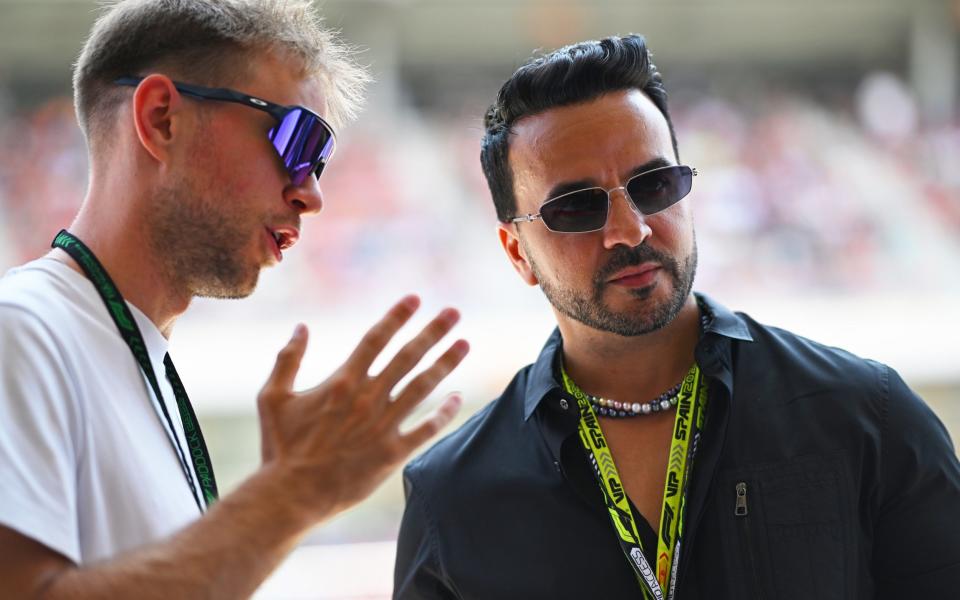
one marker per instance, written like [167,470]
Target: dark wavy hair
[571,75]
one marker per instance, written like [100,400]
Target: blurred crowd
[794,195]
[43,174]
[800,195]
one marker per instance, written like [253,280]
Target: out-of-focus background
[826,134]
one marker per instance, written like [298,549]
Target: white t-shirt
[87,467]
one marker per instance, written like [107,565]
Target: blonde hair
[208,42]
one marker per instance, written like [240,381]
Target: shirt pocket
[787,528]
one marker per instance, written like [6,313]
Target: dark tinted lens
[585,210]
[656,190]
[304,143]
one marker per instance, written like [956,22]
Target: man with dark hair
[207,129]
[662,446]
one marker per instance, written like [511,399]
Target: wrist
[293,494]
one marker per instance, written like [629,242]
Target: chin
[638,298]
[233,288]
[644,293]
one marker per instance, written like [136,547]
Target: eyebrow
[580,184]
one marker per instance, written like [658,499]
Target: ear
[157,115]
[510,241]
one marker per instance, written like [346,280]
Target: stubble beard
[592,310]
[199,244]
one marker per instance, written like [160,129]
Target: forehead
[279,78]
[601,141]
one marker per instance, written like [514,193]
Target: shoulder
[786,382]
[28,296]
[44,287]
[805,365]
[467,451]
[47,320]
[39,308]
[47,295]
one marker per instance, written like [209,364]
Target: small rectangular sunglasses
[586,210]
[302,138]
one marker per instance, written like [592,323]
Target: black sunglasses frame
[277,111]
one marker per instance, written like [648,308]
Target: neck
[631,369]
[119,243]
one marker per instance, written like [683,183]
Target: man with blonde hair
[208,125]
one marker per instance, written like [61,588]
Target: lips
[286,237]
[638,275]
[282,238]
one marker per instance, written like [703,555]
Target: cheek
[240,165]
[566,258]
[674,226]
[241,186]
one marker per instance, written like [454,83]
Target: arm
[417,573]
[225,554]
[916,552]
[324,450]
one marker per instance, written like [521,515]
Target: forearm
[225,554]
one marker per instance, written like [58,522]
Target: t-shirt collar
[156,344]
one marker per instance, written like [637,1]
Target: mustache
[622,257]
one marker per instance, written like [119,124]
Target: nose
[625,224]
[306,198]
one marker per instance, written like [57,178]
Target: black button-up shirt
[852,487]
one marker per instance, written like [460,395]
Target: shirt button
[564,404]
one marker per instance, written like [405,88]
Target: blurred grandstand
[826,134]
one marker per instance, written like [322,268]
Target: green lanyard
[691,411]
[127,325]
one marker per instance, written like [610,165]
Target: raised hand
[337,441]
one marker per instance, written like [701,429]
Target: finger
[424,383]
[432,424]
[378,336]
[414,350]
[288,360]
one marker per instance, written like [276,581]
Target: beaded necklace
[607,407]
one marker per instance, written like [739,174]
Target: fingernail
[299,330]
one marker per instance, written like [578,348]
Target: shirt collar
[542,379]
[724,321]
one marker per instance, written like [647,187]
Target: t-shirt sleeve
[916,549]
[39,421]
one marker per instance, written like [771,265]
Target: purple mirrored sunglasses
[304,141]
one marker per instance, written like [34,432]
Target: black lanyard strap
[130,332]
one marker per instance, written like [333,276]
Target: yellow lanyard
[691,404]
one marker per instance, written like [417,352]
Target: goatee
[593,312]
